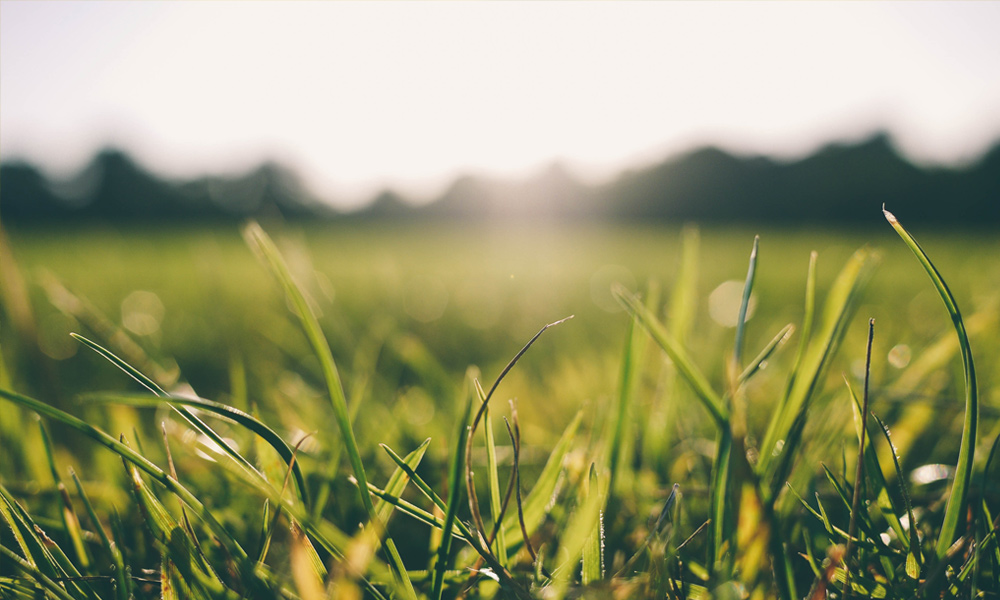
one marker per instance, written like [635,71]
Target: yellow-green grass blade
[579,527]
[399,479]
[682,361]
[621,424]
[174,543]
[755,365]
[745,302]
[542,496]
[41,550]
[70,520]
[246,566]
[456,476]
[123,585]
[593,549]
[493,478]
[914,558]
[876,477]
[966,453]
[32,571]
[411,510]
[415,512]
[261,243]
[180,409]
[27,538]
[784,432]
[224,411]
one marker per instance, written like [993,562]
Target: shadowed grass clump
[698,473]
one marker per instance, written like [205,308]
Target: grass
[642,454]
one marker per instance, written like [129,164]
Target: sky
[357,97]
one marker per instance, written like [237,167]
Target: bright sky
[357,96]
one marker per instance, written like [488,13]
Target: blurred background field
[427,301]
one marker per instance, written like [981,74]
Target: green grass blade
[542,496]
[876,477]
[456,477]
[784,432]
[745,302]
[32,571]
[756,364]
[685,366]
[463,531]
[399,478]
[914,556]
[259,241]
[70,520]
[593,550]
[172,485]
[493,477]
[966,454]
[230,413]
[123,584]
[579,527]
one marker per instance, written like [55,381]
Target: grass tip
[888,215]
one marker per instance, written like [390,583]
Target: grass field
[618,416]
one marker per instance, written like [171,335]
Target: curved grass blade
[219,443]
[399,478]
[785,429]
[222,410]
[966,453]
[245,566]
[32,571]
[685,366]
[261,243]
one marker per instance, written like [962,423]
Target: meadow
[650,446]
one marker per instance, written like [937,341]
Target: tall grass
[707,499]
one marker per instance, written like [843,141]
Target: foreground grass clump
[227,500]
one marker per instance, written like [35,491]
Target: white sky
[357,96]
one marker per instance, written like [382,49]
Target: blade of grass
[399,478]
[70,521]
[224,411]
[233,547]
[123,584]
[259,241]
[685,366]
[744,303]
[455,475]
[875,476]
[579,527]
[32,571]
[493,478]
[784,431]
[756,364]
[593,549]
[914,556]
[966,453]
[859,473]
